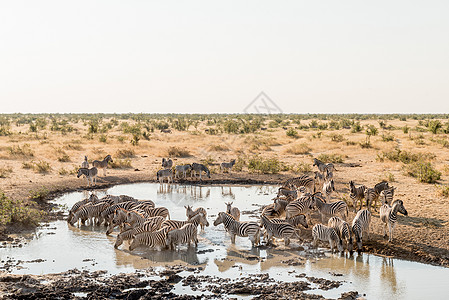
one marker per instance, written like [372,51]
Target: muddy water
[58,247]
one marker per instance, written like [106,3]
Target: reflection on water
[65,247]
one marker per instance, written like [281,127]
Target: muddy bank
[160,284]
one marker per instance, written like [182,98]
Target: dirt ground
[422,236]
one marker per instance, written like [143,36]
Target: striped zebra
[356,194]
[167,163]
[92,199]
[89,174]
[284,231]
[154,212]
[291,194]
[102,164]
[328,188]
[304,180]
[237,228]
[165,173]
[108,213]
[118,219]
[319,180]
[199,168]
[300,206]
[198,219]
[233,211]
[182,169]
[386,196]
[184,235]
[343,230]
[227,166]
[360,225]
[89,212]
[389,216]
[294,221]
[329,175]
[152,224]
[329,209]
[324,233]
[322,167]
[191,213]
[276,209]
[379,187]
[153,239]
[85,163]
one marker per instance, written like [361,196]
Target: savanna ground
[40,155]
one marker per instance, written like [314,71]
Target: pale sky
[217,56]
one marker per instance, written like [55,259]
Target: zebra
[85,163]
[190,213]
[343,230]
[276,209]
[329,209]
[165,173]
[153,239]
[119,218]
[102,164]
[182,169]
[89,212]
[90,174]
[326,234]
[108,212]
[386,196]
[304,180]
[328,188]
[154,212]
[383,185]
[184,235]
[92,199]
[319,179]
[227,166]
[372,195]
[294,221]
[152,224]
[322,167]
[282,191]
[360,225]
[300,206]
[233,211]
[237,228]
[328,175]
[330,167]
[198,219]
[279,230]
[199,168]
[389,216]
[167,163]
[356,194]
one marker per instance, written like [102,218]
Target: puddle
[58,247]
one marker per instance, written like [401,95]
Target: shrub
[239,164]
[177,152]
[24,151]
[423,171]
[42,167]
[103,138]
[443,190]
[387,177]
[39,194]
[125,153]
[297,149]
[337,138]
[121,164]
[218,148]
[265,166]
[356,127]
[434,126]
[331,158]
[303,167]
[17,212]
[230,126]
[63,171]
[4,172]
[405,129]
[387,137]
[292,133]
[404,156]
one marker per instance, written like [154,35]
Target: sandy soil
[422,236]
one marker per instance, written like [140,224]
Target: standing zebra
[165,173]
[326,234]
[328,188]
[329,209]
[389,216]
[278,230]
[386,196]
[233,211]
[190,213]
[356,194]
[237,228]
[343,230]
[184,235]
[156,239]
[85,163]
[182,169]
[292,194]
[199,168]
[304,180]
[294,221]
[167,163]
[102,164]
[227,166]
[360,225]
[198,219]
[90,174]
[322,167]
[300,206]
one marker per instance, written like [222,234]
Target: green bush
[121,164]
[443,190]
[423,171]
[230,126]
[404,156]
[177,152]
[292,133]
[39,194]
[388,137]
[125,153]
[331,158]
[265,166]
[24,151]
[17,212]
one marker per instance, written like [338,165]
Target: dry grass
[298,149]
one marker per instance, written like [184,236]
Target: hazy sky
[217,56]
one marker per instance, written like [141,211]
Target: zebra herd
[91,173]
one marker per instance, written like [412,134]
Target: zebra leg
[391,227]
[331,243]
[233,238]
[384,231]
[286,241]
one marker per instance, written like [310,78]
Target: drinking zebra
[279,230]
[184,235]
[227,166]
[199,168]
[343,230]
[329,209]
[152,224]
[167,163]
[233,211]
[304,180]
[324,233]
[182,169]
[165,173]
[153,239]
[389,216]
[89,212]
[89,174]
[237,228]
[102,164]
[292,194]
[198,219]
[356,194]
[360,225]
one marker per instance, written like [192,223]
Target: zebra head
[81,171]
[350,245]
[401,207]
[228,206]
[219,219]
[108,158]
[203,220]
